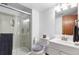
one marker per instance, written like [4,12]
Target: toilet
[40,47]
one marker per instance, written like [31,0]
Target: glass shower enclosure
[15,32]
[22,35]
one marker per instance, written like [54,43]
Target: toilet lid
[37,47]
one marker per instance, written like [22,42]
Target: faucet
[64,38]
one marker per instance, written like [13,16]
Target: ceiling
[39,6]
[43,6]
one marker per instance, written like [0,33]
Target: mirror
[65,15]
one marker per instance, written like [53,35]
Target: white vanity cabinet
[52,51]
[59,49]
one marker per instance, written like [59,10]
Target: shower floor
[24,51]
[20,51]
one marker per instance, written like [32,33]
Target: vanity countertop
[62,42]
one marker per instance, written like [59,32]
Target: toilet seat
[37,48]
[40,47]
[38,51]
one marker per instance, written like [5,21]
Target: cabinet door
[52,51]
[63,53]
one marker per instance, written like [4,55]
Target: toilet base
[46,54]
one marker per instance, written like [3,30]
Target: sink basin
[60,41]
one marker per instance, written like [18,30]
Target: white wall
[58,25]
[50,24]
[35,25]
[47,22]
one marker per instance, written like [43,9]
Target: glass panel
[6,23]
[22,32]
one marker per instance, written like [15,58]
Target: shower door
[26,31]
[23,33]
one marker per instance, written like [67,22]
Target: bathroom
[26,25]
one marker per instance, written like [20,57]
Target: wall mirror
[66,14]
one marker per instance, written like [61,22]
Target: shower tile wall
[5,23]
[22,32]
